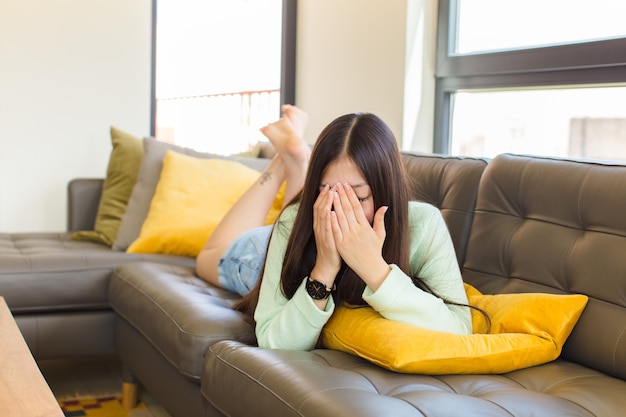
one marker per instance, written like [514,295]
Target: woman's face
[344,171]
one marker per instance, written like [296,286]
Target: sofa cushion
[451,184]
[525,330]
[119,182]
[557,226]
[331,383]
[190,200]
[50,272]
[147,180]
[177,312]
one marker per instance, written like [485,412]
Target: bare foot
[286,138]
[298,118]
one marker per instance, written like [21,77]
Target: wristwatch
[317,290]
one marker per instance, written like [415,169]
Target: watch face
[317,290]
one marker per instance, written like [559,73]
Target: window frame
[287,65]
[593,63]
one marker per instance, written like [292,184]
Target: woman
[352,236]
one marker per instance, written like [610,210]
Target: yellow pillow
[191,198]
[526,330]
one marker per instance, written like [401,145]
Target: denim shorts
[241,263]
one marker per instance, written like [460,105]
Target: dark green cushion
[118,185]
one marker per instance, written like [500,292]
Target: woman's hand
[328,261]
[359,243]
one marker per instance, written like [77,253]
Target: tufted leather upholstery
[57,287]
[449,183]
[177,312]
[47,272]
[552,225]
[171,311]
[540,224]
[327,383]
[57,291]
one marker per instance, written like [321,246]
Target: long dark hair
[371,145]
[366,140]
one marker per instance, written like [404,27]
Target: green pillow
[118,185]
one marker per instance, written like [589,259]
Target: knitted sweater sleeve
[434,260]
[283,323]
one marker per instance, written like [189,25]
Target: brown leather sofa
[539,225]
[519,224]
[57,288]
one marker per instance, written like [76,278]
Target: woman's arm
[282,323]
[434,260]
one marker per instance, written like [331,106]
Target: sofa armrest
[82,204]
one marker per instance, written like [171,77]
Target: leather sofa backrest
[557,226]
[83,200]
[451,184]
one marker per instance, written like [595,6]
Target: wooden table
[23,389]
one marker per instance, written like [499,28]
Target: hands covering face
[343,231]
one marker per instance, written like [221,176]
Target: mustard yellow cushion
[526,330]
[118,185]
[190,199]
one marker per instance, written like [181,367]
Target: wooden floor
[90,377]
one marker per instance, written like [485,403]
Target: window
[221,70]
[554,90]
[492,25]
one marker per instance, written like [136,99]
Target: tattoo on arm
[266,177]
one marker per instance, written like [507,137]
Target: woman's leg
[250,211]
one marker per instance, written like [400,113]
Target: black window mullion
[599,54]
[288,54]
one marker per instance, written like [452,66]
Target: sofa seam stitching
[250,377]
[615,348]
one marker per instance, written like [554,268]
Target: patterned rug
[101,407]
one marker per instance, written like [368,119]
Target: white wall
[69,69]
[368,55]
[350,57]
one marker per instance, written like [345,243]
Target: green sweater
[296,323]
